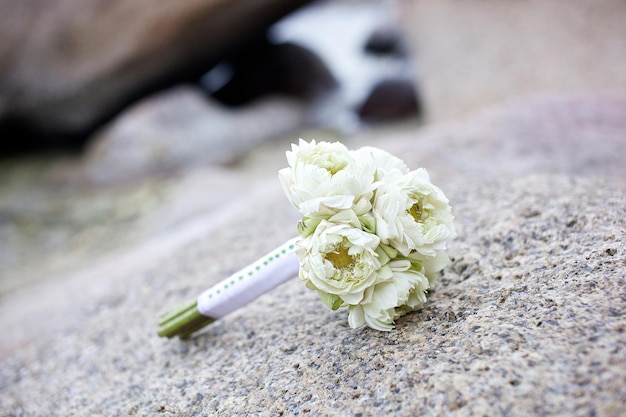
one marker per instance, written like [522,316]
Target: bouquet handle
[232,293]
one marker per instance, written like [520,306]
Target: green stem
[182,321]
[178,311]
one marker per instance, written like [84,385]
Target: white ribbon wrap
[240,288]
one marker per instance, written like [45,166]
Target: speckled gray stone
[528,319]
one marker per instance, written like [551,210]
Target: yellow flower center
[333,169]
[340,258]
[416,212]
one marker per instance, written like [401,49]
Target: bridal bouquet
[373,233]
[372,239]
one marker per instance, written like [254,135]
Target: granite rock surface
[529,318]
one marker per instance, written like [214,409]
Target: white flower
[384,302]
[325,178]
[374,232]
[383,160]
[431,265]
[412,214]
[339,258]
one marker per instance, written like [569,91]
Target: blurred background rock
[122,120]
[478,53]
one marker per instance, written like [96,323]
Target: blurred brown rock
[386,40]
[67,66]
[390,99]
[264,68]
[181,128]
[477,53]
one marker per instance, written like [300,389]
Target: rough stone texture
[67,65]
[481,52]
[528,319]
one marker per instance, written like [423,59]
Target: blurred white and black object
[346,60]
